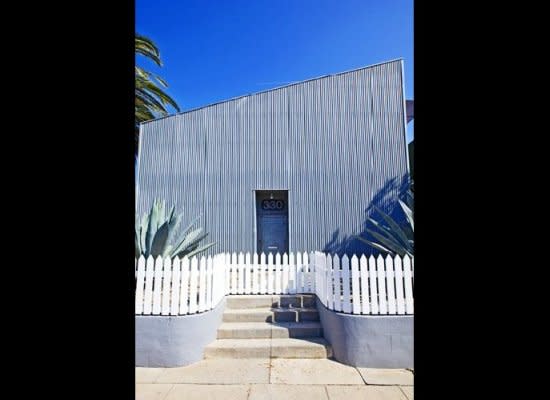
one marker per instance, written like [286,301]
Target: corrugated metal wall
[337,143]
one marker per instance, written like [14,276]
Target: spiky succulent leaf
[398,233]
[143,232]
[200,249]
[160,218]
[188,240]
[375,245]
[389,243]
[137,250]
[190,226]
[159,242]
[167,251]
[151,229]
[409,214]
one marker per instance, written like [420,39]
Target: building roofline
[272,89]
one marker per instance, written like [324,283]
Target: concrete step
[266,330]
[268,348]
[268,300]
[271,315]
[248,301]
[248,315]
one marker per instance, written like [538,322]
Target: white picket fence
[372,286]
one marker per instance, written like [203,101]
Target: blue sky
[214,50]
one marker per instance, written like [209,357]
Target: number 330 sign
[273,204]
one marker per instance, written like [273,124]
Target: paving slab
[383,376]
[147,375]
[287,392]
[313,372]
[219,371]
[208,392]
[337,392]
[409,391]
[152,391]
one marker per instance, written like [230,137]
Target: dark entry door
[272,221]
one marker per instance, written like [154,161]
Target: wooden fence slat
[270,277]
[337,283]
[399,290]
[365,302]
[285,271]
[299,273]
[346,303]
[390,284]
[193,284]
[409,306]
[240,276]
[255,274]
[330,283]
[373,285]
[149,277]
[140,285]
[263,274]
[157,289]
[247,274]
[291,274]
[166,286]
[355,278]
[209,284]
[278,274]
[202,284]
[184,287]
[311,263]
[233,269]
[382,304]
[176,283]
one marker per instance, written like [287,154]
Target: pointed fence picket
[166,286]
[356,296]
[157,286]
[176,282]
[373,286]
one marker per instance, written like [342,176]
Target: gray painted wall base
[175,341]
[369,340]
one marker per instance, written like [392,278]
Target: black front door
[272,221]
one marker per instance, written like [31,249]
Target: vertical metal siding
[333,142]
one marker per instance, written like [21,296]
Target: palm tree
[151,101]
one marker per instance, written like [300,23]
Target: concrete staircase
[269,326]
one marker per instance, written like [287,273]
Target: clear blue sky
[214,50]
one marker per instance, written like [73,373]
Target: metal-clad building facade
[336,143]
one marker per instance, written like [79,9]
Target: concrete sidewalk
[272,379]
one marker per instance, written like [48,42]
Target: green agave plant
[391,237]
[156,234]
